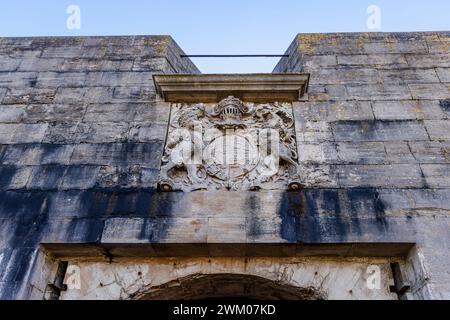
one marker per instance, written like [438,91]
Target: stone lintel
[148,250]
[258,87]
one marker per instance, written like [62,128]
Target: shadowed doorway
[226,285]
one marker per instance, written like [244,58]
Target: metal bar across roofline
[232,55]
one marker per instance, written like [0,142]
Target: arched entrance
[226,285]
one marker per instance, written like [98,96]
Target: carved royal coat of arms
[230,145]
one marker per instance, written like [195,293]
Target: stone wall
[378,119]
[82,132]
[79,122]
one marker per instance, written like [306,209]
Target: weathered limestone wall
[78,123]
[378,119]
[82,133]
[145,279]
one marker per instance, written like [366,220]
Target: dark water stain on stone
[290,212]
[6,175]
[164,212]
[30,222]
[332,220]
[445,105]
[253,207]
[380,214]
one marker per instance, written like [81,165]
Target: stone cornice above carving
[259,87]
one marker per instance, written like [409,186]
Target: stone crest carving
[230,145]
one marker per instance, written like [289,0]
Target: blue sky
[221,27]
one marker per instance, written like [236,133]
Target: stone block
[431,151]
[379,92]
[29,95]
[441,59]
[398,152]
[46,177]
[18,79]
[8,64]
[345,76]
[38,113]
[361,153]
[110,113]
[333,111]
[180,230]
[2,93]
[378,130]
[77,230]
[438,129]
[98,95]
[317,152]
[126,177]
[313,131]
[21,154]
[437,175]
[104,132]
[157,112]
[415,199]
[402,76]
[12,177]
[120,79]
[386,176]
[79,177]
[61,79]
[41,65]
[127,230]
[227,230]
[95,64]
[11,113]
[443,74]
[432,91]
[11,133]
[147,132]
[152,64]
[70,95]
[375,60]
[407,110]
[134,94]
[146,154]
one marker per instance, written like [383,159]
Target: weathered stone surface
[443,74]
[413,76]
[385,176]
[392,130]
[82,132]
[255,277]
[380,92]
[346,76]
[438,129]
[13,178]
[364,152]
[29,95]
[11,113]
[431,151]
[429,60]
[430,91]
[372,60]
[407,110]
[437,175]
[333,111]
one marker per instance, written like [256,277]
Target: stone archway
[225,285]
